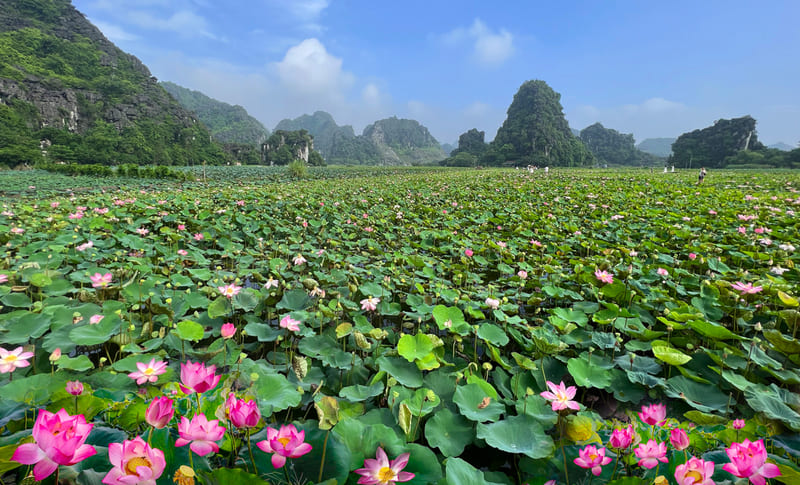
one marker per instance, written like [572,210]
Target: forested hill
[611,147]
[390,141]
[322,127]
[68,94]
[228,123]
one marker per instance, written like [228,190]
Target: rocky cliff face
[68,76]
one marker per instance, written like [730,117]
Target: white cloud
[489,49]
[183,22]
[308,69]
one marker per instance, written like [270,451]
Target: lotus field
[403,326]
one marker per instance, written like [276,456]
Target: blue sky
[651,68]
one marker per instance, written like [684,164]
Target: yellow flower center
[385,474]
[696,476]
[592,457]
[134,463]
[284,441]
[148,371]
[10,358]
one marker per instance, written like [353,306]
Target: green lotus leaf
[415,347]
[406,373]
[188,330]
[588,374]
[97,334]
[358,392]
[460,472]
[669,355]
[517,434]
[474,404]
[294,300]
[449,432]
[701,397]
[492,334]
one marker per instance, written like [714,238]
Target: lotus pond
[402,326]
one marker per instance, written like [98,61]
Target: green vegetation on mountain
[227,123]
[660,147]
[781,146]
[710,147]
[403,142]
[322,127]
[67,94]
[471,147]
[284,147]
[391,141]
[611,147]
[536,132]
[729,143]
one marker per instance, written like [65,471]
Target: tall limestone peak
[536,131]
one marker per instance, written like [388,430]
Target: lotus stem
[322,460]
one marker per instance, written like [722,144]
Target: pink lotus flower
[101,280]
[662,272]
[229,291]
[746,288]
[692,256]
[654,414]
[679,439]
[290,323]
[75,388]
[492,303]
[182,252]
[84,246]
[55,355]
[143,231]
[651,453]
[591,457]
[695,472]
[201,433]
[148,372]
[621,438]
[135,463]
[3,278]
[536,243]
[228,330]
[181,227]
[748,460]
[468,253]
[298,260]
[159,412]
[742,230]
[738,424]
[523,275]
[198,236]
[196,377]
[243,414]
[370,304]
[604,276]
[13,360]
[271,283]
[381,471]
[59,440]
[285,443]
[561,396]
[95,319]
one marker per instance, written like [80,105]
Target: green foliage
[228,124]
[83,99]
[297,169]
[536,132]
[284,147]
[711,146]
[611,147]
